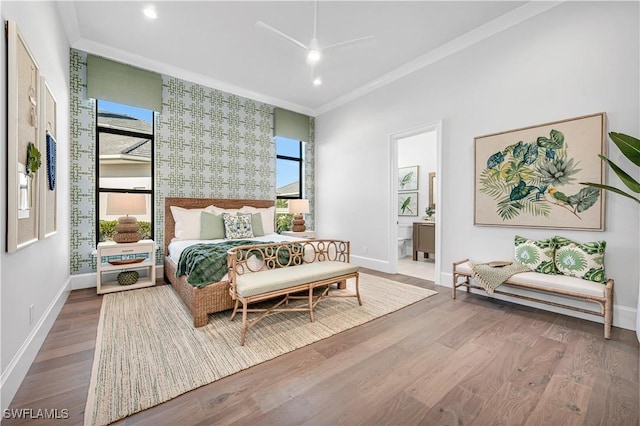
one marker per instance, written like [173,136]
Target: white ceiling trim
[69,17]
[163,68]
[474,36]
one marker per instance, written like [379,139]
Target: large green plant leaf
[554,142]
[584,199]
[631,183]
[628,145]
[610,188]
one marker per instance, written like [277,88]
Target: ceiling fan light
[317,81]
[314,55]
[150,12]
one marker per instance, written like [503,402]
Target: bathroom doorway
[414,202]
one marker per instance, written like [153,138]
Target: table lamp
[127,229]
[298,207]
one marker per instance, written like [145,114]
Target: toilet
[405,233]
[402,247]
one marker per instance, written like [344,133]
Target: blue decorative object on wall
[51,162]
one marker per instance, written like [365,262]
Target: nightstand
[114,258]
[309,235]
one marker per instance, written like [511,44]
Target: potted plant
[630,147]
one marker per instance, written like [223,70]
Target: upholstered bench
[267,271]
[562,285]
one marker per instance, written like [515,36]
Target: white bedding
[177,246]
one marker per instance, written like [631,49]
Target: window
[288,168]
[289,182]
[124,143]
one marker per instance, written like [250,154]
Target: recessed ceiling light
[317,81]
[150,12]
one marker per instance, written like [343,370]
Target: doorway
[415,202]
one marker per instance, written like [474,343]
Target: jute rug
[148,352]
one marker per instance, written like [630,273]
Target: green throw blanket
[207,263]
[491,277]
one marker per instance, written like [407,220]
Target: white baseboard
[368,262]
[17,369]
[88,280]
[623,316]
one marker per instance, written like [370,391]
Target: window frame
[98,189]
[300,161]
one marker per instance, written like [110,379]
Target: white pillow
[187,222]
[218,210]
[268,217]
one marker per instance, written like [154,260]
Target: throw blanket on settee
[207,263]
[491,277]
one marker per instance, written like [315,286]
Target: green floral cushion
[584,261]
[237,226]
[536,255]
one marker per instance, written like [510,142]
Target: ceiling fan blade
[268,27]
[344,43]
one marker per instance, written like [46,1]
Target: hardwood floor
[470,361]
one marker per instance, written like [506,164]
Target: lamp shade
[299,206]
[126,204]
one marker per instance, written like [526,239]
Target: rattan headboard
[196,203]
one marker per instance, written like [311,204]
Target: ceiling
[216,43]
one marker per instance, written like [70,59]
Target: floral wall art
[531,177]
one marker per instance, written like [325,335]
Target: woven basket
[128,277]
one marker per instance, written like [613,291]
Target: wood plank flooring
[470,361]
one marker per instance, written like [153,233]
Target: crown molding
[163,68]
[533,8]
[502,23]
[69,18]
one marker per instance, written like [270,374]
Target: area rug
[148,352]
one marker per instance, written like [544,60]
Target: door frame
[436,127]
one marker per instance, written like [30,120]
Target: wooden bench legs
[312,301]
[605,303]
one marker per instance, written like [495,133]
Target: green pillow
[211,226]
[256,225]
[536,255]
[584,261]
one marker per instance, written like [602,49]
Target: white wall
[575,59]
[38,274]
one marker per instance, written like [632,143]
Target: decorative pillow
[238,226]
[268,217]
[256,224]
[211,226]
[187,222]
[218,210]
[536,255]
[584,261]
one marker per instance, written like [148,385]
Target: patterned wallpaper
[83,168]
[208,144]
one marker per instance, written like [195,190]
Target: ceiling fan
[313,50]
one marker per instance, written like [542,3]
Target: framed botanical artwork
[23,154]
[408,204]
[48,190]
[531,177]
[408,178]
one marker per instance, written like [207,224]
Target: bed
[215,296]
